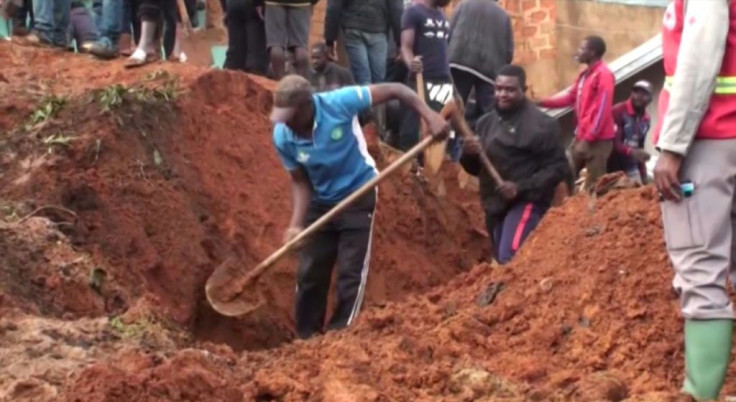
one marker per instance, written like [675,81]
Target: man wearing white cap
[632,125]
[321,144]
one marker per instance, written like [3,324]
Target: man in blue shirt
[321,144]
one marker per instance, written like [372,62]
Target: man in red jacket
[592,97]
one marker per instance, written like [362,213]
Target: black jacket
[481,38]
[374,16]
[524,147]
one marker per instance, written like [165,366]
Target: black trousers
[346,240]
[246,50]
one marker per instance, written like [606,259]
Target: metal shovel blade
[231,293]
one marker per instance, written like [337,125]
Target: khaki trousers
[699,230]
[594,160]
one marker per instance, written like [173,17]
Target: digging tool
[196,44]
[458,114]
[233,294]
[434,155]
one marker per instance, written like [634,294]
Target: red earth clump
[584,312]
[171,170]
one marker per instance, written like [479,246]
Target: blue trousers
[367,53]
[508,232]
[51,20]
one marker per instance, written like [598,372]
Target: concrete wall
[623,27]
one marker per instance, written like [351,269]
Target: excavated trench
[121,191]
[171,171]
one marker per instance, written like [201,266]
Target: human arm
[591,118]
[395,10]
[699,61]
[619,144]
[301,188]
[408,36]
[382,93]
[332,21]
[301,195]
[470,157]
[566,99]
[553,163]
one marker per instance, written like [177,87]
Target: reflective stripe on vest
[724,85]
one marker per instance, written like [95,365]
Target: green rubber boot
[707,354]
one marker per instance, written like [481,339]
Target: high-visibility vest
[719,121]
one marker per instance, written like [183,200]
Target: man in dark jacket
[326,74]
[632,126]
[522,143]
[365,26]
[481,41]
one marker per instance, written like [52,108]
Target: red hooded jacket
[592,97]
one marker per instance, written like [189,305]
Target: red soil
[164,192]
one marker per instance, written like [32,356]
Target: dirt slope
[170,169]
[157,175]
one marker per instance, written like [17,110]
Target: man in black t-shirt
[424,37]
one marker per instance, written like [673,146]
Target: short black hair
[597,45]
[514,70]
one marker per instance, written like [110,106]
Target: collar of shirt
[632,112]
[317,102]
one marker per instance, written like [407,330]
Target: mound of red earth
[169,170]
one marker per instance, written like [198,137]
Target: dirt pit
[122,190]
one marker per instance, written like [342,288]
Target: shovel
[197,43]
[457,111]
[434,155]
[232,292]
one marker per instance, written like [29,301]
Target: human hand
[666,176]
[640,155]
[509,190]
[416,66]
[471,146]
[291,233]
[259,10]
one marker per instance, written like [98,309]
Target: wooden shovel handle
[458,113]
[421,94]
[367,187]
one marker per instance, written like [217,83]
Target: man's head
[641,94]
[591,50]
[319,57]
[292,104]
[510,87]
